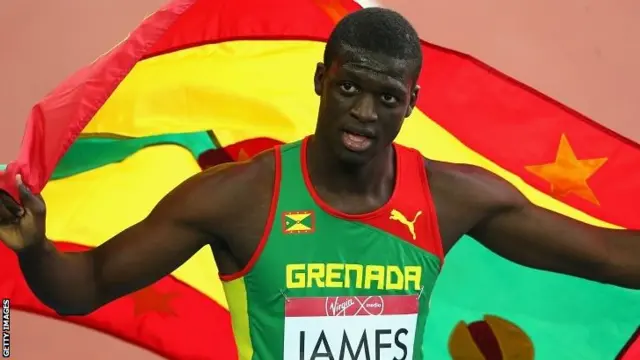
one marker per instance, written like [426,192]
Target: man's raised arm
[79,283]
[532,236]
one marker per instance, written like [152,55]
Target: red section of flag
[169,317]
[216,21]
[517,127]
[631,350]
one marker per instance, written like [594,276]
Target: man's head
[367,83]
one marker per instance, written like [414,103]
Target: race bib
[350,328]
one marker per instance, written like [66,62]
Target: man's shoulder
[226,190]
[239,178]
[466,174]
[471,184]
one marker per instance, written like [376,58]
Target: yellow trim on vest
[236,294]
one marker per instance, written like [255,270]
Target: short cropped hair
[376,30]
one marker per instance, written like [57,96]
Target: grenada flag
[201,82]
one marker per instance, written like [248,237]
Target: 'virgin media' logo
[354,305]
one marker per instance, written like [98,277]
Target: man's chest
[353,291]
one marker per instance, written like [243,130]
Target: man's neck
[376,177]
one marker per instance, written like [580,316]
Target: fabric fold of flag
[203,82]
[56,121]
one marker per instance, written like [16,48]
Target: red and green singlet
[328,285]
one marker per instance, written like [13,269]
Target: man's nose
[364,108]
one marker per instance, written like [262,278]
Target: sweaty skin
[227,207]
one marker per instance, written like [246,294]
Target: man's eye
[348,88]
[389,99]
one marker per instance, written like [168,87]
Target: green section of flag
[566,318]
[91,153]
[2,167]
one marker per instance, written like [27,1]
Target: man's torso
[452,189]
[271,278]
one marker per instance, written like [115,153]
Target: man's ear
[318,78]
[413,100]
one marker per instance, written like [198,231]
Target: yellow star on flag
[568,174]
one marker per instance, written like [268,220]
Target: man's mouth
[356,142]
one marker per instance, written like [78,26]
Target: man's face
[364,99]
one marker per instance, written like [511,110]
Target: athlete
[328,247]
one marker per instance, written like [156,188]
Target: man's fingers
[25,193]
[14,208]
[29,200]
[6,217]
[9,206]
